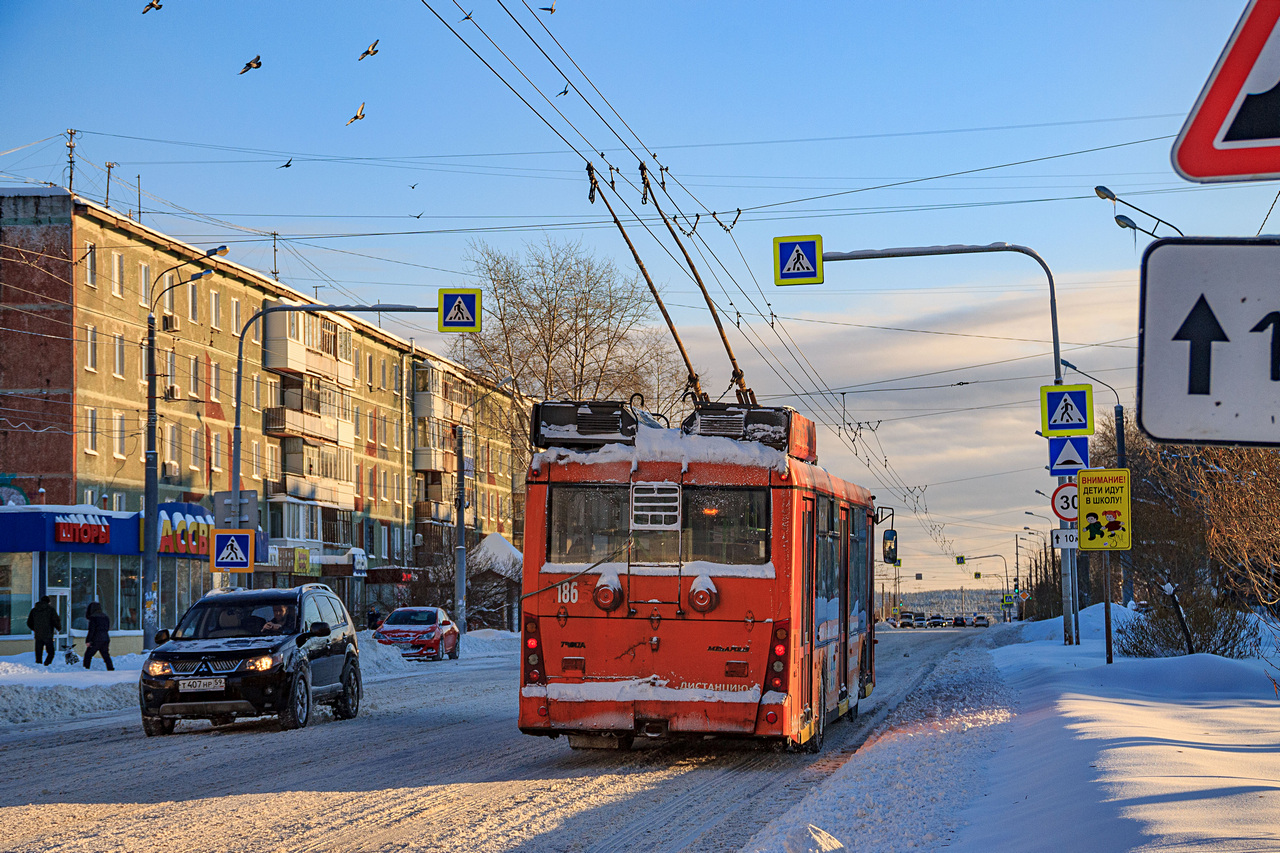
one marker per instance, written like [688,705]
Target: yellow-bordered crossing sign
[459,310]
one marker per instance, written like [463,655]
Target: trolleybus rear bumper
[541,714]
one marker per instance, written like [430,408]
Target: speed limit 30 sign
[1065,502]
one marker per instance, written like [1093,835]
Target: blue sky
[748,104]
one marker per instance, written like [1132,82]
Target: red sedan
[424,633]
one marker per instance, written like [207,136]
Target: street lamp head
[195,276]
[504,382]
[1042,494]
[1066,363]
[220,251]
[1104,193]
[1125,222]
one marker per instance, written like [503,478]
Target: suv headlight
[158,667]
[263,663]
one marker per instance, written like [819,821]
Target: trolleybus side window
[858,571]
[826,616]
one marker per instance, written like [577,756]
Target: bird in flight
[563,91]
[419,216]
[286,165]
[154,4]
[468,17]
[256,62]
[413,186]
[370,50]
[549,9]
[359,114]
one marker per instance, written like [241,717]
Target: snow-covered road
[434,762]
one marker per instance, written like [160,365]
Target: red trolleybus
[707,580]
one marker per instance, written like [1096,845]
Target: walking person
[99,636]
[44,622]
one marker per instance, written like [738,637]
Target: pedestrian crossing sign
[1066,410]
[232,551]
[459,310]
[797,260]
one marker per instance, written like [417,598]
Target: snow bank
[377,659]
[672,445]
[1092,624]
[490,643]
[31,692]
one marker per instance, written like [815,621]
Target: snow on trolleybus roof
[710,579]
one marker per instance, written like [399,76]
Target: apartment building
[347,430]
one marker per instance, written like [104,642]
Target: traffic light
[977,576]
[960,560]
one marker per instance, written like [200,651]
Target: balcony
[281,421]
[429,405]
[318,489]
[432,459]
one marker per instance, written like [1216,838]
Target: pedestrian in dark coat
[372,619]
[44,622]
[99,637]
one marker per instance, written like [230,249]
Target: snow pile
[31,692]
[924,765]
[490,643]
[377,659]
[1092,625]
[673,445]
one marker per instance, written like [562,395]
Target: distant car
[422,633]
[936,621]
[957,622]
[981,622]
[918,621]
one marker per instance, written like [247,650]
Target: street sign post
[1066,410]
[459,310]
[1064,502]
[1065,538]
[797,260]
[1068,455]
[1209,341]
[1233,131]
[226,517]
[1104,506]
[232,551]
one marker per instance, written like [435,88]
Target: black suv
[246,653]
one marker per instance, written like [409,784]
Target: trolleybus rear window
[589,523]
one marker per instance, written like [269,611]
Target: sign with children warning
[1105,520]
[1066,410]
[459,310]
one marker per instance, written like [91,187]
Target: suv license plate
[194,684]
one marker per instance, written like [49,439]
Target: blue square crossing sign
[232,551]
[797,260]
[459,311]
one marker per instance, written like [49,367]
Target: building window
[117,274]
[142,360]
[120,434]
[91,348]
[195,376]
[144,282]
[215,386]
[215,309]
[357,421]
[396,435]
[257,461]
[169,291]
[117,366]
[368,374]
[373,484]
[193,301]
[382,430]
[384,540]
[373,425]
[257,393]
[395,543]
[396,378]
[216,462]
[91,430]
[117,501]
[91,264]
[384,495]
[89,497]
[173,449]
[235,317]
[196,453]
[359,481]
[273,461]
[357,363]
[171,371]
[257,326]
[383,384]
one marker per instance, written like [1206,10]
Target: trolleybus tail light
[776,674]
[533,668]
[771,717]
[607,594]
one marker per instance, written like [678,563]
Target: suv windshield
[411,617]
[213,620]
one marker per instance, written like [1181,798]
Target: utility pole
[460,540]
[139,178]
[71,160]
[275,267]
[107,201]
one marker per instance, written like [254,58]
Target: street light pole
[151,474]
[1071,618]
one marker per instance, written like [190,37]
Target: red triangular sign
[1233,132]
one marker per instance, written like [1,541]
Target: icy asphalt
[434,762]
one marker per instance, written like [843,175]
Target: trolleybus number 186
[567,592]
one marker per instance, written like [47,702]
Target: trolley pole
[1070,611]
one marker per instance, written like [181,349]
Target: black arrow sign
[1272,320]
[1202,330]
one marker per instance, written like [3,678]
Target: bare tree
[568,324]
